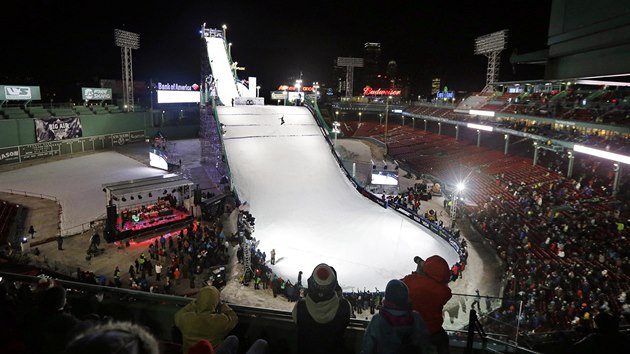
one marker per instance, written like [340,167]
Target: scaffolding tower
[212,157]
[127,41]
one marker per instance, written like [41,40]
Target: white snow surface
[77,182]
[307,210]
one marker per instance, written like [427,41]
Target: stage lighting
[115,198]
[139,196]
[174,190]
[132,198]
[150,195]
[124,199]
[164,192]
[104,190]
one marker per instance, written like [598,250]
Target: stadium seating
[39,112]
[99,109]
[15,113]
[8,213]
[83,110]
[63,112]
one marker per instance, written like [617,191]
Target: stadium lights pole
[224,31]
[336,130]
[360,117]
[316,90]
[458,190]
[387,113]
[230,51]
[285,97]
[257,91]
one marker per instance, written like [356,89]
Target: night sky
[61,46]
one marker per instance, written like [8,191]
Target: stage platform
[141,223]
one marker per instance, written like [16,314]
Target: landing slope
[306,208]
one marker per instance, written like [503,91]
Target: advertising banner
[96,94]
[57,129]
[9,155]
[19,93]
[249,101]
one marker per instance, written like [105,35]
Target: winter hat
[202,347]
[53,299]
[435,267]
[397,294]
[322,283]
[114,337]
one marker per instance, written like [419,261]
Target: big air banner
[57,129]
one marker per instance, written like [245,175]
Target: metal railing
[30,194]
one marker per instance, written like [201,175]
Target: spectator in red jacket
[429,292]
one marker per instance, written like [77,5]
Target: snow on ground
[77,182]
[307,209]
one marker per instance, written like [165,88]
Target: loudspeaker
[112,214]
[197,199]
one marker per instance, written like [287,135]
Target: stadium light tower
[491,46]
[350,64]
[127,41]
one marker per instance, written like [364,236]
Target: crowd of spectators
[185,256]
[564,244]
[562,239]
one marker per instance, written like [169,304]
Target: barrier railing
[311,104]
[29,194]
[156,312]
[86,226]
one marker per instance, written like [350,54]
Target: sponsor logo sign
[177,87]
[96,94]
[19,93]
[9,155]
[369,91]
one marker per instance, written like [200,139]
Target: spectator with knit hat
[429,292]
[114,337]
[205,318]
[323,315]
[397,328]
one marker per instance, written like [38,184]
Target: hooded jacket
[205,318]
[429,291]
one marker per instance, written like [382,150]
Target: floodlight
[460,187]
[492,42]
[603,154]
[127,39]
[480,127]
[476,112]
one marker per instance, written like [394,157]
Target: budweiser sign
[368,91]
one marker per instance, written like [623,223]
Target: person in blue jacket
[397,328]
